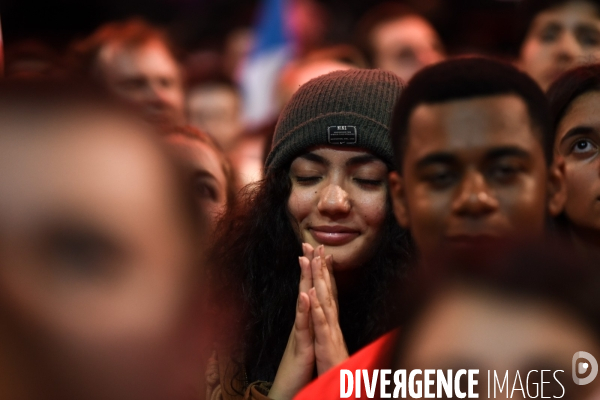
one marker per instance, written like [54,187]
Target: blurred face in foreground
[561,38]
[96,258]
[406,45]
[474,174]
[469,327]
[146,75]
[339,200]
[578,143]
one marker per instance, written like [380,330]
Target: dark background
[484,26]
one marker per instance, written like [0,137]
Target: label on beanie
[342,134]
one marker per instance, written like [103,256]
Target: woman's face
[578,142]
[561,38]
[208,178]
[339,199]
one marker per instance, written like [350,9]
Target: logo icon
[342,135]
[580,367]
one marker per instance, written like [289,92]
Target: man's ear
[557,188]
[398,199]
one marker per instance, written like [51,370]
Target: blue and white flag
[272,49]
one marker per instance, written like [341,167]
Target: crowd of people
[407,209]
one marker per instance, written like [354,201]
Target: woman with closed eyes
[315,246]
[574,100]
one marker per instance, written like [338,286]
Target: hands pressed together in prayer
[316,337]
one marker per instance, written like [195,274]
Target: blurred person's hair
[549,272]
[131,33]
[193,133]
[528,10]
[379,15]
[568,87]
[467,78]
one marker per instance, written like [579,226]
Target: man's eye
[589,38]
[583,146]
[406,55]
[441,180]
[167,83]
[549,34]
[503,172]
[132,84]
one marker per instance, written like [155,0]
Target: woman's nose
[334,200]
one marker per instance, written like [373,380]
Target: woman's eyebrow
[315,158]
[578,130]
[362,159]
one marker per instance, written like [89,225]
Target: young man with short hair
[473,153]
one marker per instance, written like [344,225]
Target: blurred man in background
[559,35]
[397,39]
[136,62]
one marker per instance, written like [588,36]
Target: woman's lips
[333,235]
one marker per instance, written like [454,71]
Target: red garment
[377,355]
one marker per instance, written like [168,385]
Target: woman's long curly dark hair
[257,252]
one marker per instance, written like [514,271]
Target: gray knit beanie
[342,108]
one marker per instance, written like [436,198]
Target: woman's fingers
[320,251]
[326,275]
[329,279]
[320,324]
[330,347]
[334,292]
[322,288]
[302,326]
[296,367]
[306,280]
[308,251]
[317,311]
